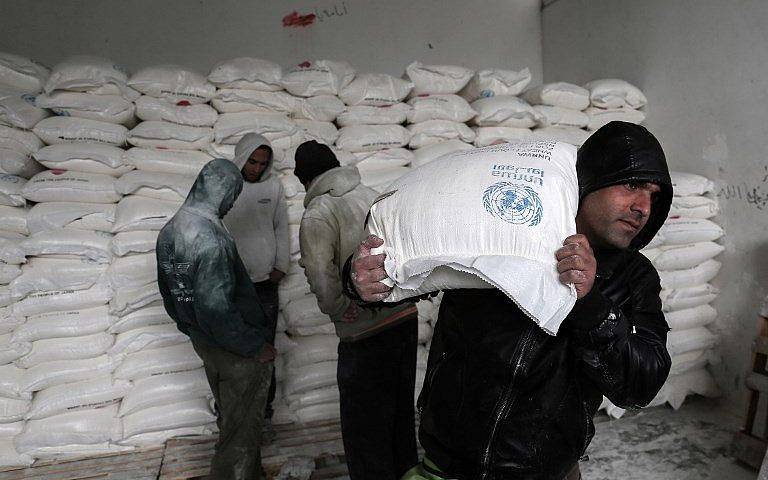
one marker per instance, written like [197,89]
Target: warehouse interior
[701,65]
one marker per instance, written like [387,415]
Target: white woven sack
[292,187]
[615,93]
[319,77]
[56,130]
[247,73]
[66,186]
[382,178]
[599,117]
[318,396]
[161,390]
[63,349]
[313,349]
[146,338]
[60,300]
[292,287]
[9,457]
[182,162]
[5,296]
[424,334]
[188,413]
[173,82]
[322,132]
[233,100]
[375,89]
[49,274]
[84,427]
[10,190]
[561,117]
[136,212]
[694,207]
[22,73]
[368,138]
[310,377]
[574,136]
[693,317]
[558,94]
[84,157]
[304,312]
[72,397]
[63,324]
[161,109]
[104,108]
[522,197]
[493,82]
[10,252]
[69,241]
[679,257]
[321,108]
[12,410]
[162,186]
[83,73]
[318,413]
[159,134]
[436,131]
[158,439]
[231,127]
[439,107]
[437,78]
[683,231]
[18,109]
[50,374]
[687,297]
[12,380]
[73,215]
[380,159]
[133,270]
[485,136]
[127,300]
[691,277]
[431,152]
[686,184]
[683,341]
[152,314]
[8,273]
[140,241]
[159,361]
[16,148]
[367,115]
[505,111]
[218,150]
[10,351]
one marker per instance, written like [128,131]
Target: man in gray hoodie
[377,353]
[259,224]
[206,290]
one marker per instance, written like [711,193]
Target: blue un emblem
[513,203]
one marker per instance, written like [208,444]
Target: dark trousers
[376,378]
[239,386]
[266,291]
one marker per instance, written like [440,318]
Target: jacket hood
[622,152]
[215,190]
[335,182]
[245,148]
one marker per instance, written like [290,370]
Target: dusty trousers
[267,293]
[240,387]
[376,378]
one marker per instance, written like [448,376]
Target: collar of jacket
[335,182]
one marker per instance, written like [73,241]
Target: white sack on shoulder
[247,73]
[54,130]
[68,323]
[18,109]
[139,241]
[558,94]
[72,397]
[367,115]
[159,361]
[505,111]
[74,215]
[67,186]
[69,241]
[83,427]
[161,390]
[375,89]
[161,109]
[439,107]
[59,300]
[22,73]
[321,108]
[436,131]
[527,192]
[149,315]
[319,77]
[136,213]
[368,138]
[182,162]
[493,82]
[47,274]
[84,157]
[10,190]
[173,82]
[160,134]
[437,78]
[104,108]
[615,93]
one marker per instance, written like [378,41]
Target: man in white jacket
[259,224]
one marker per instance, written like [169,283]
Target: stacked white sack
[559,107]
[21,80]
[613,99]
[371,133]
[684,254]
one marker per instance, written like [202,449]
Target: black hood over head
[622,152]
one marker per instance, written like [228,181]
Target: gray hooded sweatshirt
[259,220]
[331,229]
[202,280]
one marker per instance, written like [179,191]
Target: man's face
[255,165]
[613,216]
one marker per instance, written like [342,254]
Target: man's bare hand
[576,264]
[368,271]
[350,314]
[268,353]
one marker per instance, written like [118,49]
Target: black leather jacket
[504,400]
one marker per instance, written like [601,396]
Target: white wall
[381,36]
[704,66]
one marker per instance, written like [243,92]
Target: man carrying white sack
[502,398]
[377,353]
[207,291]
[259,224]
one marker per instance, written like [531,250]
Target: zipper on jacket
[518,362]
[429,380]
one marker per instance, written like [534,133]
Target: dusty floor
[662,444]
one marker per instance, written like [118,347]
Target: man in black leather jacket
[502,399]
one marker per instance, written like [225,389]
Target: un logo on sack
[513,203]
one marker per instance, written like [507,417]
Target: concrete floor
[662,444]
